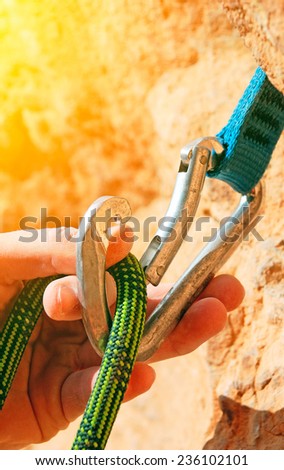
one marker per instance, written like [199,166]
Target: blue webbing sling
[251,134]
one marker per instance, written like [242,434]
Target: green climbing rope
[118,360]
[119,357]
[18,329]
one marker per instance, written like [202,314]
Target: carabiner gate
[196,159]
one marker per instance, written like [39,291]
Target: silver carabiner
[196,159]
[91,265]
[200,272]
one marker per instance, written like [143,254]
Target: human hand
[59,366]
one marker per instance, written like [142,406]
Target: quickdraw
[196,158]
[238,155]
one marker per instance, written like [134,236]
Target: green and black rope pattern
[118,360]
[18,329]
[119,357]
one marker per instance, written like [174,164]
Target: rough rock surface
[261,25]
[99,99]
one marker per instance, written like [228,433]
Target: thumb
[61,296]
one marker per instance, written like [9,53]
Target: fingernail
[67,299]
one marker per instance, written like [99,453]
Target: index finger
[40,253]
[36,253]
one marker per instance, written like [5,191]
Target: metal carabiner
[200,272]
[91,265]
[196,159]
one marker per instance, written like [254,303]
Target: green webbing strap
[251,134]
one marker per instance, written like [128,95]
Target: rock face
[99,100]
[261,25]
